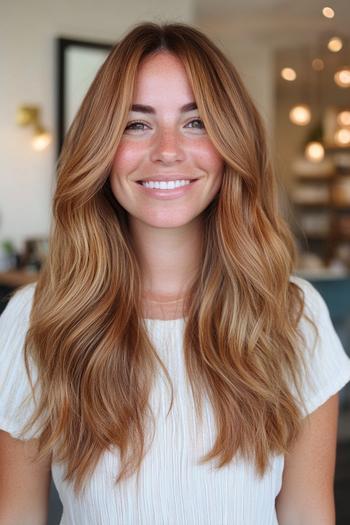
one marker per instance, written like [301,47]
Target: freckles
[127,154]
[208,155]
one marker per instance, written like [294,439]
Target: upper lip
[166,178]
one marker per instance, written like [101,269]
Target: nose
[167,147]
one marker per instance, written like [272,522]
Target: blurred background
[294,57]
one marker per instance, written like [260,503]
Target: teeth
[163,185]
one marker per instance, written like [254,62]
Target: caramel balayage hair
[87,336]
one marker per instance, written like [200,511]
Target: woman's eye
[135,126]
[138,125]
[200,121]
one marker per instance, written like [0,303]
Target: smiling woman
[169,260]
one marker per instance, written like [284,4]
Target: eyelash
[140,122]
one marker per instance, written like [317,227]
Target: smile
[166,189]
[166,185]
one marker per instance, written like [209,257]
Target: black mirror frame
[62,46]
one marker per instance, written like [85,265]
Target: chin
[167,222]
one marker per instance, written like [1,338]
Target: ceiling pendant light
[317,64]
[342,77]
[343,118]
[335,44]
[300,115]
[288,73]
[342,137]
[328,12]
[314,151]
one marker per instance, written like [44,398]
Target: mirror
[77,64]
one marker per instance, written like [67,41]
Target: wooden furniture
[11,280]
[321,202]
[15,278]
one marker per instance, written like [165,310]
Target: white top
[173,489]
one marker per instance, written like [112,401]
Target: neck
[169,258]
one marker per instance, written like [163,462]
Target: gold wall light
[30,116]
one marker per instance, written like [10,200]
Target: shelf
[328,205]
[317,178]
[342,237]
[341,208]
[337,149]
[330,208]
[312,237]
[312,204]
[15,278]
[317,237]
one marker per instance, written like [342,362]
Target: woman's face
[165,140]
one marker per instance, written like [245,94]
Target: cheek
[127,157]
[209,159]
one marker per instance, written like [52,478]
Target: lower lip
[167,194]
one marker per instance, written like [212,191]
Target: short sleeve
[327,364]
[16,403]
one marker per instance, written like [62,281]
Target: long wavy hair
[87,336]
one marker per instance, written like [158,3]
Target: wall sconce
[29,116]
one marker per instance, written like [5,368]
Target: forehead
[162,77]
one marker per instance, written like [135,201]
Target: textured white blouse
[173,488]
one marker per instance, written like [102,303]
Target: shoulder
[14,324]
[22,297]
[17,311]
[327,363]
[314,303]
[315,309]
[14,383]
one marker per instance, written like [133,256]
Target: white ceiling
[280,23]
[226,5]
[295,31]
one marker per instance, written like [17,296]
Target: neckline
[164,321]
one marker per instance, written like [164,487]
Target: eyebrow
[141,108]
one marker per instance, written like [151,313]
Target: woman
[187,283]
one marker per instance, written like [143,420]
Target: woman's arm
[307,494]
[24,486]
